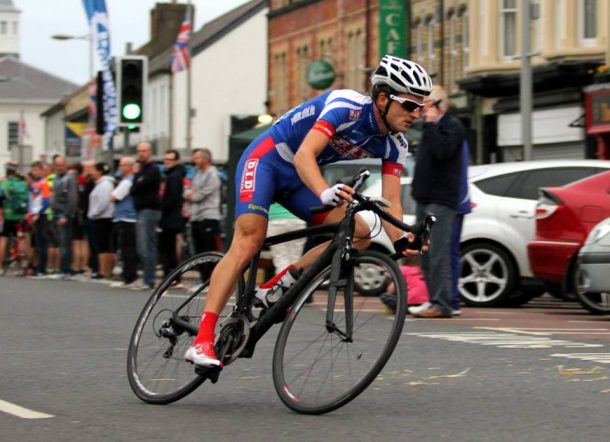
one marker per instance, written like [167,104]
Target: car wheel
[488,275]
[370,280]
[597,303]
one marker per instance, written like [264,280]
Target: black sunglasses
[408,105]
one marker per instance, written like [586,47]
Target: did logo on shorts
[248,182]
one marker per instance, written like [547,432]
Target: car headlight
[598,233]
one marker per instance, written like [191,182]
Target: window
[497,185]
[452,53]
[15,27]
[431,57]
[326,49]
[302,87]
[280,88]
[419,42]
[13,134]
[527,187]
[559,23]
[587,22]
[465,42]
[508,28]
[355,60]
[2,27]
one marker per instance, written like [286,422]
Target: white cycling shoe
[203,355]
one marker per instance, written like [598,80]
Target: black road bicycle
[327,352]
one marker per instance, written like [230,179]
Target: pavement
[540,372]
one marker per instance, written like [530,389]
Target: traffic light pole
[189,110]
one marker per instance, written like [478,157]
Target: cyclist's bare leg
[250,232]
[361,237]
[3,245]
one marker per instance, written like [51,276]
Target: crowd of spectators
[81,221]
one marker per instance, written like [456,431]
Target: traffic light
[132,77]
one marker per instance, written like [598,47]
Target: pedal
[211,373]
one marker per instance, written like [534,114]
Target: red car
[564,217]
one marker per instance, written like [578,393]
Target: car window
[333,172]
[527,188]
[407,201]
[498,185]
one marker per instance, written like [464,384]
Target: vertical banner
[100,33]
[393,26]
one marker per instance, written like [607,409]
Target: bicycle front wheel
[156,368]
[315,370]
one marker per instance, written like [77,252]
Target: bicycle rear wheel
[156,368]
[316,371]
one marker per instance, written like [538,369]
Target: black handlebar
[421,230]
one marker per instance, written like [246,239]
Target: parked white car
[495,265]
[594,270]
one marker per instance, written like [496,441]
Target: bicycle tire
[312,324]
[171,378]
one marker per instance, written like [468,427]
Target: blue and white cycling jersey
[266,171]
[347,118]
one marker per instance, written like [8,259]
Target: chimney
[165,22]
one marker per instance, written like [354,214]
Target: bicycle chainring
[232,338]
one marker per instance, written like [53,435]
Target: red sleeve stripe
[390,168]
[325,127]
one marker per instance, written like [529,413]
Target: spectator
[145,192]
[89,184]
[52,233]
[125,223]
[63,205]
[15,195]
[101,211]
[171,222]
[281,221]
[40,200]
[463,209]
[80,250]
[417,292]
[204,198]
[435,188]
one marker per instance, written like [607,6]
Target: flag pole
[188,84]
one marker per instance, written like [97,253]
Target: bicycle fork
[341,276]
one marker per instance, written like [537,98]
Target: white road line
[602,358]
[22,412]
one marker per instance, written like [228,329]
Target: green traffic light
[131,111]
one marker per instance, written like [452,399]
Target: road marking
[504,340]
[602,358]
[550,331]
[22,412]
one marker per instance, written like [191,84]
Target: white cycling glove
[330,196]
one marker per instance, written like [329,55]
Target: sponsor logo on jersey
[307,112]
[346,149]
[248,181]
[354,114]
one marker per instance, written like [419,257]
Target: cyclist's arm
[307,166]
[390,185]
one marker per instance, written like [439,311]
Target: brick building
[342,32]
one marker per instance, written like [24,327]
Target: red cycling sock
[276,278]
[206,329]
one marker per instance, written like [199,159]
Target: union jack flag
[181,57]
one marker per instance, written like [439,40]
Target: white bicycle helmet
[403,76]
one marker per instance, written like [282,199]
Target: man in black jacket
[436,183]
[171,222]
[145,192]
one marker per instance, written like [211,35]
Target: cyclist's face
[405,108]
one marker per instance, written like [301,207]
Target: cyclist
[15,194]
[283,165]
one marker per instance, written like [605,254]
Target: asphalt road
[541,372]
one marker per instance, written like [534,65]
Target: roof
[210,33]
[20,81]
[7,5]
[488,170]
